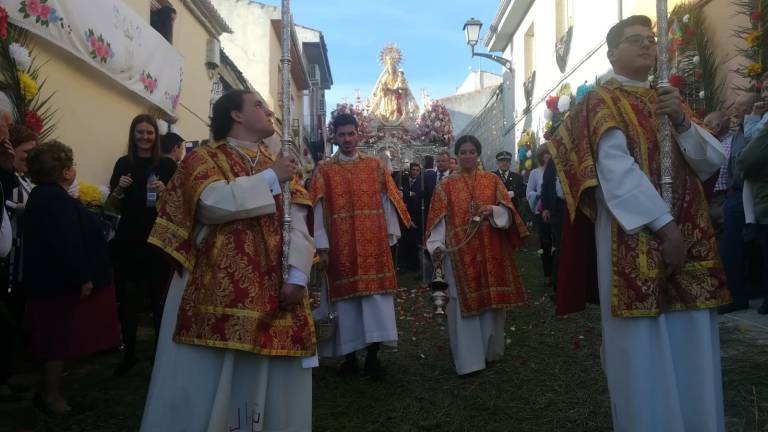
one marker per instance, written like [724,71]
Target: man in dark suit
[512,180]
[412,196]
[553,212]
[433,177]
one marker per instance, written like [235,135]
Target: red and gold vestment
[486,274]
[639,285]
[360,258]
[232,296]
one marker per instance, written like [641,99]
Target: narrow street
[549,380]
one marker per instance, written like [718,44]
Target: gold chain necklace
[251,162]
[471,190]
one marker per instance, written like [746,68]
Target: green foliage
[695,60]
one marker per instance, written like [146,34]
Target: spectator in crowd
[720,124]
[453,164]
[734,251]
[553,212]
[172,146]
[533,194]
[71,309]
[9,316]
[23,140]
[413,196]
[752,163]
[140,268]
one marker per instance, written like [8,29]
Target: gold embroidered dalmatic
[232,296]
[487,276]
[639,285]
[360,259]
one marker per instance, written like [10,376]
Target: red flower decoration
[552,103]
[677,80]
[759,85]
[33,122]
[697,75]
[755,16]
[3,23]
[547,135]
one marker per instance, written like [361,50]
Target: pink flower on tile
[102,50]
[34,7]
[93,42]
[45,11]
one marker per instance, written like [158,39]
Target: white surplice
[476,339]
[360,320]
[196,388]
[663,372]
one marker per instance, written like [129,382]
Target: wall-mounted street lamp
[212,56]
[472,33]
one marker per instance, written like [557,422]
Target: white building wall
[591,20]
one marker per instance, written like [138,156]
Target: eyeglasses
[636,40]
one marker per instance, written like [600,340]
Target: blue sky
[429,32]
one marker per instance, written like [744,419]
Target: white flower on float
[702,94]
[686,18]
[547,115]
[529,154]
[21,56]
[696,59]
[564,104]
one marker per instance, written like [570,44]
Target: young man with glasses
[659,275]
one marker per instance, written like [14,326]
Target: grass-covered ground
[549,380]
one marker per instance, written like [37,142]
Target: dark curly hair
[46,162]
[344,120]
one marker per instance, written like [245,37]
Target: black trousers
[408,249]
[734,251]
[545,242]
[142,273]
[556,222]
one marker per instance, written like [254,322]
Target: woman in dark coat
[140,269]
[71,309]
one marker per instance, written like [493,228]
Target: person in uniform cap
[512,180]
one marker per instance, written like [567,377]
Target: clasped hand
[285,167]
[669,103]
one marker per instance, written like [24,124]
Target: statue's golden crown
[392,53]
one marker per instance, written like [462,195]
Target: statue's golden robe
[639,285]
[487,276]
[232,296]
[360,258]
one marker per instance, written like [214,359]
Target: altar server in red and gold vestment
[356,211]
[482,276]
[658,272]
[237,341]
